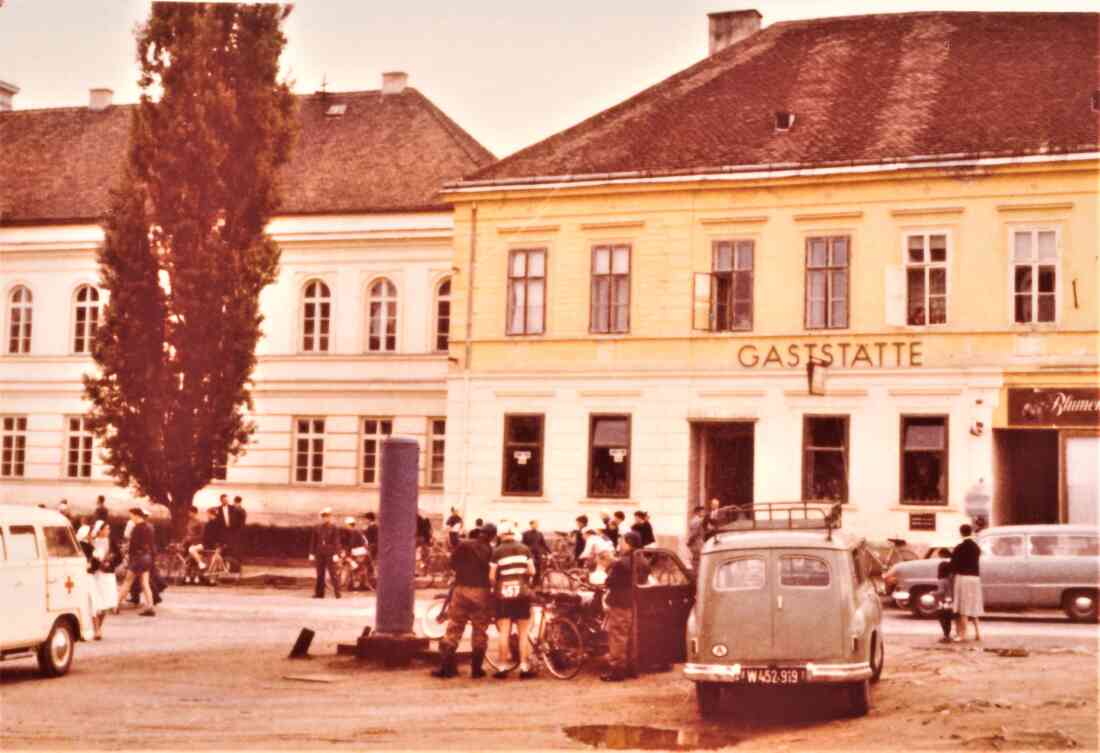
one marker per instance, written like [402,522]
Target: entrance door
[1029,476]
[1082,480]
[728,453]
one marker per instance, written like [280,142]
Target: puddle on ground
[630,737]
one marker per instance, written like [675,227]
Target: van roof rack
[779,516]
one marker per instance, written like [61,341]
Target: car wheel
[878,657]
[859,698]
[709,697]
[924,603]
[1080,606]
[55,656]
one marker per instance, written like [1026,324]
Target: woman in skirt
[103,561]
[968,584]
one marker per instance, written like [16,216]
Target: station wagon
[1022,567]
[783,599]
[44,587]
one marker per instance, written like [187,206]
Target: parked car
[1022,567]
[783,599]
[44,587]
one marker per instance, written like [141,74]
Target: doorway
[1027,476]
[722,462]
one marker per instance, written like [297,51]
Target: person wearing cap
[471,601]
[103,560]
[355,545]
[510,571]
[620,616]
[142,549]
[324,550]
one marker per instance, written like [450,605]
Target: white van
[45,588]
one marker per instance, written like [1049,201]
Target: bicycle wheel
[215,571]
[434,622]
[174,569]
[563,653]
[492,657]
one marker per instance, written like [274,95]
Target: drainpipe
[466,363]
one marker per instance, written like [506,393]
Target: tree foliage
[185,256]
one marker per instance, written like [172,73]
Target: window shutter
[701,302]
[895,295]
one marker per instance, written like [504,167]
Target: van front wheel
[709,697]
[55,656]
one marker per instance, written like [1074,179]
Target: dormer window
[784,121]
[335,111]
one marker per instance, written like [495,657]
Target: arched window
[316,317]
[382,305]
[85,318]
[19,321]
[442,314]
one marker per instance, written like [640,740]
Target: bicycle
[433,623]
[218,569]
[172,563]
[357,570]
[433,562]
[877,563]
[560,573]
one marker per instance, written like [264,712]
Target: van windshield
[60,542]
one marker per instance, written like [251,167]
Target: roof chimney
[7,92]
[99,99]
[731,26]
[394,82]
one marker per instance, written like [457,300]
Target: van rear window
[22,544]
[746,573]
[60,542]
[797,570]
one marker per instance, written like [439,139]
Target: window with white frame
[526,291]
[13,446]
[443,315]
[382,308]
[610,288]
[85,318]
[732,303]
[827,264]
[20,310]
[309,450]
[78,443]
[437,445]
[316,317]
[1034,276]
[926,279]
[375,431]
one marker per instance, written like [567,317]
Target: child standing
[945,590]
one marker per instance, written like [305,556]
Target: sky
[511,73]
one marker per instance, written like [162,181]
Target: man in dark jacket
[471,601]
[101,512]
[324,545]
[142,551]
[371,533]
[536,542]
[237,518]
[577,536]
[643,527]
[619,612]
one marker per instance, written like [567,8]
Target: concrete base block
[391,650]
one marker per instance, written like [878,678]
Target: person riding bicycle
[355,548]
[209,542]
[192,540]
[471,601]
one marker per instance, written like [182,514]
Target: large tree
[185,255]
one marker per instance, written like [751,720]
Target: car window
[663,569]
[1003,546]
[1063,545]
[745,573]
[800,570]
[60,542]
[22,544]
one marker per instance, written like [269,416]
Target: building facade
[638,298]
[356,325]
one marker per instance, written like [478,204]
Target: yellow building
[894,198]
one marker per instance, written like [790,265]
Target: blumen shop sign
[1069,406]
[873,355]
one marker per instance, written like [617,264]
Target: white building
[355,344]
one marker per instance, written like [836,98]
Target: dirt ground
[220,679]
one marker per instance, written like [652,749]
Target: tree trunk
[180,508]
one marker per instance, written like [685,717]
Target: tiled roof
[384,154]
[862,89]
